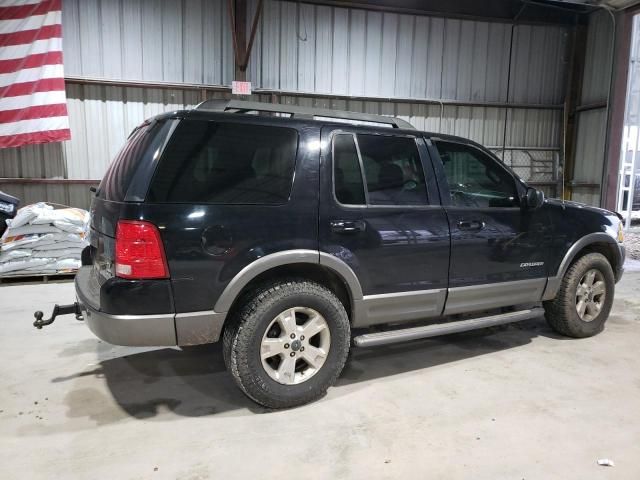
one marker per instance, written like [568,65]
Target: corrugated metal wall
[152,40]
[322,49]
[299,47]
[592,124]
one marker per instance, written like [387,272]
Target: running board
[415,333]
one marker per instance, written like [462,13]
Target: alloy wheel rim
[295,345]
[590,295]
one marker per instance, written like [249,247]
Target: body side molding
[198,328]
[399,307]
[494,295]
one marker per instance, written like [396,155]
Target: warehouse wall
[325,52]
[153,40]
[592,123]
[356,52]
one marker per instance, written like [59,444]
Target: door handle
[347,226]
[470,225]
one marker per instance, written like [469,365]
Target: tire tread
[560,312]
[244,325]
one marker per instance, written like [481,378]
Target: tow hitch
[73,308]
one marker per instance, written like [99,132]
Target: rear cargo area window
[228,163]
[116,181]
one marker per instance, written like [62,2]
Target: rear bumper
[158,330]
[131,330]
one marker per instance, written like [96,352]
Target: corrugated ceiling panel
[597,66]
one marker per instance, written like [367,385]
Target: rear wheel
[584,299]
[288,343]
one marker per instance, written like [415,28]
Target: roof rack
[308,113]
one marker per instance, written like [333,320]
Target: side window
[347,176]
[226,163]
[475,179]
[393,170]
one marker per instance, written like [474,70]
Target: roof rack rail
[308,113]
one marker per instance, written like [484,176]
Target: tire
[263,317]
[562,312]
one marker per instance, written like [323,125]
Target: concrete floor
[510,402]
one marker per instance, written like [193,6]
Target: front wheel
[584,298]
[288,343]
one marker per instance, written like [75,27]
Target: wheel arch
[593,242]
[321,267]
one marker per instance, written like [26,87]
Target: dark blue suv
[292,233]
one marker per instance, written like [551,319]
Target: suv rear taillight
[139,251]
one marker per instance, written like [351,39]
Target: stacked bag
[41,240]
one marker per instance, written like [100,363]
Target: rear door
[380,213]
[498,249]
[224,195]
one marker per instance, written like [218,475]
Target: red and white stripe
[33,103]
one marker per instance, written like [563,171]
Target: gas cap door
[217,240]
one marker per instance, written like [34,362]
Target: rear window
[116,181]
[228,163]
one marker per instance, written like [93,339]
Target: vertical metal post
[241,40]
[631,134]
[572,96]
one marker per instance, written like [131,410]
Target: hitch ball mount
[73,308]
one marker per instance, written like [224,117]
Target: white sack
[74,216]
[30,212]
[14,255]
[28,241]
[23,264]
[30,230]
[69,227]
[52,247]
[68,264]
[61,253]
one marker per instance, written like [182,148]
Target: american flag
[33,104]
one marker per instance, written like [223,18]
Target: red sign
[241,88]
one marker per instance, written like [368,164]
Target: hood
[571,205]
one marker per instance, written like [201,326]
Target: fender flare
[287,257]
[553,283]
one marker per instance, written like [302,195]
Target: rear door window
[349,187]
[393,170]
[226,163]
[393,173]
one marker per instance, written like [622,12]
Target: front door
[380,213]
[498,250]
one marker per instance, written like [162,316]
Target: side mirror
[533,198]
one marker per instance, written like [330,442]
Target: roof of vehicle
[306,113]
[283,113]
